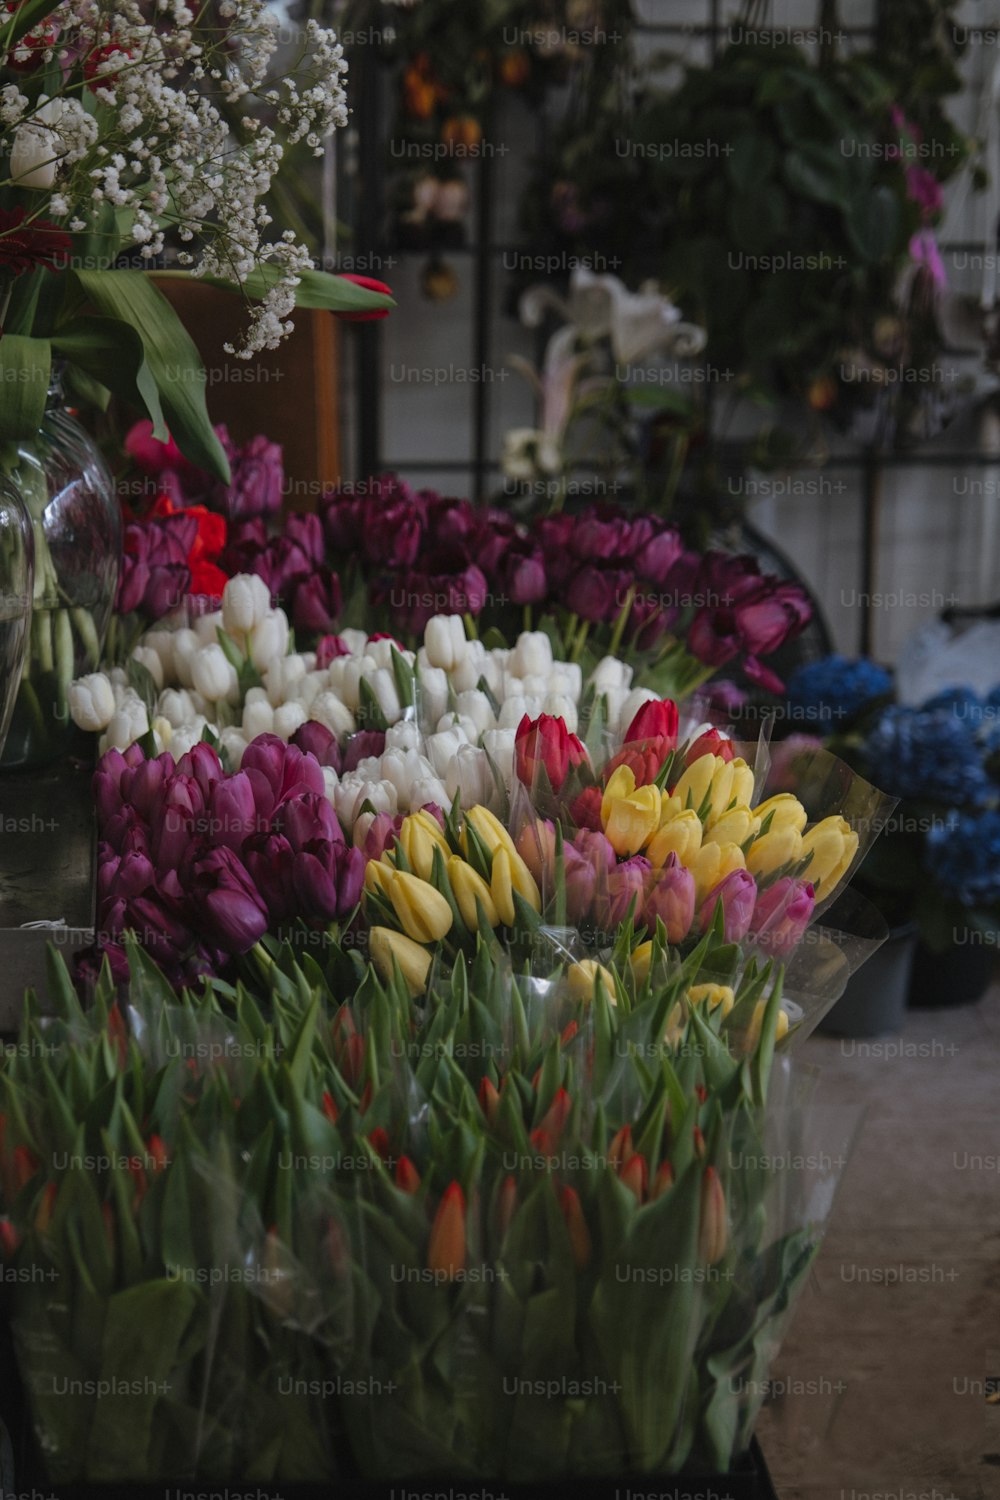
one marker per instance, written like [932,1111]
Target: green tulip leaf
[25,372]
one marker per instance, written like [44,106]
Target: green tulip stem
[86,630]
[64,661]
[621,622]
[41,640]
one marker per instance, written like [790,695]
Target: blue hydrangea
[964,859]
[925,754]
[835,689]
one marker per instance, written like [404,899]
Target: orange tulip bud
[713,1232]
[621,1147]
[43,1217]
[555,1118]
[663,1180]
[699,1142]
[489,1099]
[407,1176]
[330,1107]
[569,1032]
[157,1153]
[117,1032]
[506,1204]
[579,1235]
[635,1175]
[446,1248]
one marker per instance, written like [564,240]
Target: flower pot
[874,1002]
[958,976]
[69,495]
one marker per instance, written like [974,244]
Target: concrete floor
[899,1326]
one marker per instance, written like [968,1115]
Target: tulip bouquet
[515,1231]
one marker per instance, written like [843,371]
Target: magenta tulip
[670,896]
[737,892]
[781,915]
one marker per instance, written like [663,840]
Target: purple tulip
[670,896]
[523,577]
[107,869]
[106,785]
[232,811]
[598,594]
[270,864]
[626,882]
[737,892]
[305,819]
[307,533]
[328,648]
[278,771]
[781,915]
[381,835]
[656,557]
[229,907]
[117,828]
[159,928]
[361,746]
[775,614]
[134,875]
[317,603]
[178,807]
[140,785]
[313,738]
[203,764]
[587,863]
[257,481]
[328,880]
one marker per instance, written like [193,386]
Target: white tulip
[432,694]
[613,699]
[403,736]
[128,723]
[344,676]
[330,783]
[442,749]
[92,702]
[281,675]
[463,727]
[328,709]
[308,688]
[567,678]
[258,718]
[610,673]
[232,744]
[287,719]
[246,600]
[536,684]
[176,707]
[468,671]
[499,745]
[444,641]
[561,707]
[186,647]
[150,659]
[353,791]
[428,789]
[185,739]
[512,711]
[354,640]
[380,652]
[213,674]
[475,706]
[269,639]
[162,642]
[206,627]
[163,731]
[532,653]
[383,685]
[469,776]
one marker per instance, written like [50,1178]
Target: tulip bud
[489,828]
[554,1120]
[781,915]
[582,978]
[92,702]
[640,960]
[506,1205]
[471,892]
[576,1224]
[737,892]
[288,719]
[246,599]
[734,826]
[418,840]
[444,641]
[379,1141]
[489,1099]
[711,864]
[9,1240]
[407,1176]
[635,1175]
[681,834]
[752,1035]
[833,843]
[388,948]
[663,1180]
[446,1248]
[536,844]
[773,850]
[212,674]
[43,1218]
[621,1147]
[258,718]
[329,1107]
[713,1233]
[712,995]
[669,897]
[423,912]
[24,1166]
[784,811]
[269,639]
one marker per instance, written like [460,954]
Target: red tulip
[407,1176]
[506,1204]
[710,743]
[656,720]
[330,1107]
[621,1147]
[663,1180]
[635,1175]
[489,1099]
[579,1235]
[9,1239]
[554,1120]
[546,744]
[370,285]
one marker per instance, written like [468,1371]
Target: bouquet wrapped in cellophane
[507,1172]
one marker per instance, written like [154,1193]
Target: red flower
[546,744]
[710,743]
[24,247]
[585,810]
[108,79]
[370,285]
[654,721]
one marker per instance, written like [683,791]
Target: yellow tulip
[712,863]
[582,980]
[712,995]
[833,845]
[733,827]
[752,1036]
[375,873]
[720,782]
[694,785]
[681,836]
[773,850]
[470,891]
[670,807]
[423,912]
[489,828]
[640,960]
[784,810]
[413,960]
[502,887]
[630,814]
[418,843]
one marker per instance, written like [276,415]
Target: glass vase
[17,572]
[69,495]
